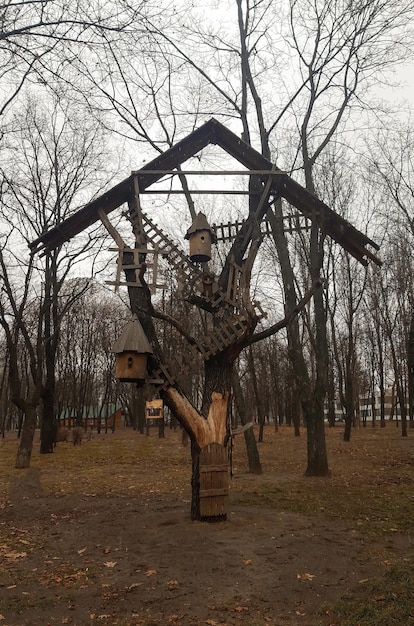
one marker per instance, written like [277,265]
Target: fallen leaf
[240,609]
[150,572]
[247,562]
[110,563]
[305,576]
[15,555]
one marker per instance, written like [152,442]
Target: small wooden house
[201,236]
[131,350]
[106,416]
[154,409]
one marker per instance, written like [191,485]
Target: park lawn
[369,493]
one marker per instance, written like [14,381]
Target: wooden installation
[230,316]
[132,349]
[201,236]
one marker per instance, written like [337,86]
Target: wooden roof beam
[212,132]
[118,195]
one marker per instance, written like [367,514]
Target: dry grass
[370,485]
[370,490]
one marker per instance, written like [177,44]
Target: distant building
[106,416]
[391,405]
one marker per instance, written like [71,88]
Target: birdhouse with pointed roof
[201,236]
[132,349]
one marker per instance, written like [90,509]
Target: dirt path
[91,559]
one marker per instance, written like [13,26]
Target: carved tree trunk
[202,431]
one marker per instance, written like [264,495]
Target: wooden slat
[214,468]
[211,493]
[214,481]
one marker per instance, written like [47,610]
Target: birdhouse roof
[132,339]
[200,223]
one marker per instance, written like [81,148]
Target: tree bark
[48,427]
[253,457]
[50,315]
[316,443]
[24,451]
[311,394]
[410,368]
[259,403]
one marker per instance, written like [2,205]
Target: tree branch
[272,330]
[157,314]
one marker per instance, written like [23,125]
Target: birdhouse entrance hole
[131,367]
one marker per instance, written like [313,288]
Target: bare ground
[126,557]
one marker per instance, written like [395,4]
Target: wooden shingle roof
[132,339]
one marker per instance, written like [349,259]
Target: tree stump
[214,482]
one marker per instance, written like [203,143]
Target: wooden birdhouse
[131,350]
[201,236]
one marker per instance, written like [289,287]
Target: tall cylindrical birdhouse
[201,236]
[131,350]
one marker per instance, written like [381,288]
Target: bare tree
[391,165]
[42,183]
[85,361]
[36,35]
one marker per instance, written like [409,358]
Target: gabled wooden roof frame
[213,132]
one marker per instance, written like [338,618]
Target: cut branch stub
[202,431]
